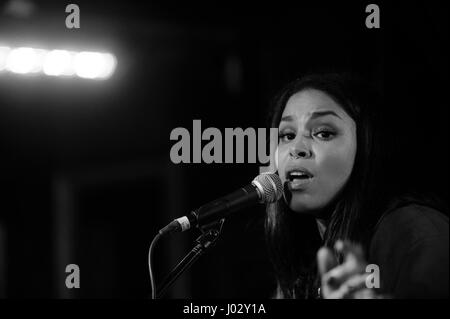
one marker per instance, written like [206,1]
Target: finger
[338,275]
[339,246]
[340,293]
[353,265]
[350,250]
[353,254]
[325,260]
[354,284]
[356,252]
[345,247]
[349,288]
[357,282]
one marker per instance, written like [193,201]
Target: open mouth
[297,175]
[298,179]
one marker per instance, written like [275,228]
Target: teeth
[297,174]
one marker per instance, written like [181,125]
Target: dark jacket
[410,245]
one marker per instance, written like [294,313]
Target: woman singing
[338,215]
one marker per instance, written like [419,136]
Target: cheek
[336,163]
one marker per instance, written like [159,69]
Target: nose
[300,149]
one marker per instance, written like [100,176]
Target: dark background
[85,172]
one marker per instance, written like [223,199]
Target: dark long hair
[293,238]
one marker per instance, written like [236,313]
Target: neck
[323,220]
[322,226]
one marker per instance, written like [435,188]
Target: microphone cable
[150,269]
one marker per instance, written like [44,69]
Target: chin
[305,205]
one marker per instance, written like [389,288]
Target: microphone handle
[223,207]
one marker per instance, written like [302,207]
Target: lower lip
[298,184]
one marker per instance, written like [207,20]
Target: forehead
[302,104]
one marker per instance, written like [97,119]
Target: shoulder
[410,244]
[414,222]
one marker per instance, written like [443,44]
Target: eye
[285,137]
[324,134]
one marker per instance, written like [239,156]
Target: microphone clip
[207,240]
[213,228]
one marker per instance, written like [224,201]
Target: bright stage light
[22,60]
[4,53]
[58,62]
[94,65]
[109,66]
[87,65]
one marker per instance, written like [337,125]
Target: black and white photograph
[223,155]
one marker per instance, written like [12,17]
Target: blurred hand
[345,281]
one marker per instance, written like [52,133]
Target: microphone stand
[207,239]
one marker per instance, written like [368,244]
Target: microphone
[265,188]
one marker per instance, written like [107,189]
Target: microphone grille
[270,187]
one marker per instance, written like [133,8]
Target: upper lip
[289,170]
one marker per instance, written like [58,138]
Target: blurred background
[85,172]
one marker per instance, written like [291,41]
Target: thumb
[325,260]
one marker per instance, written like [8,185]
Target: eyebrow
[314,115]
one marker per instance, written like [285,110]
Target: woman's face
[316,150]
